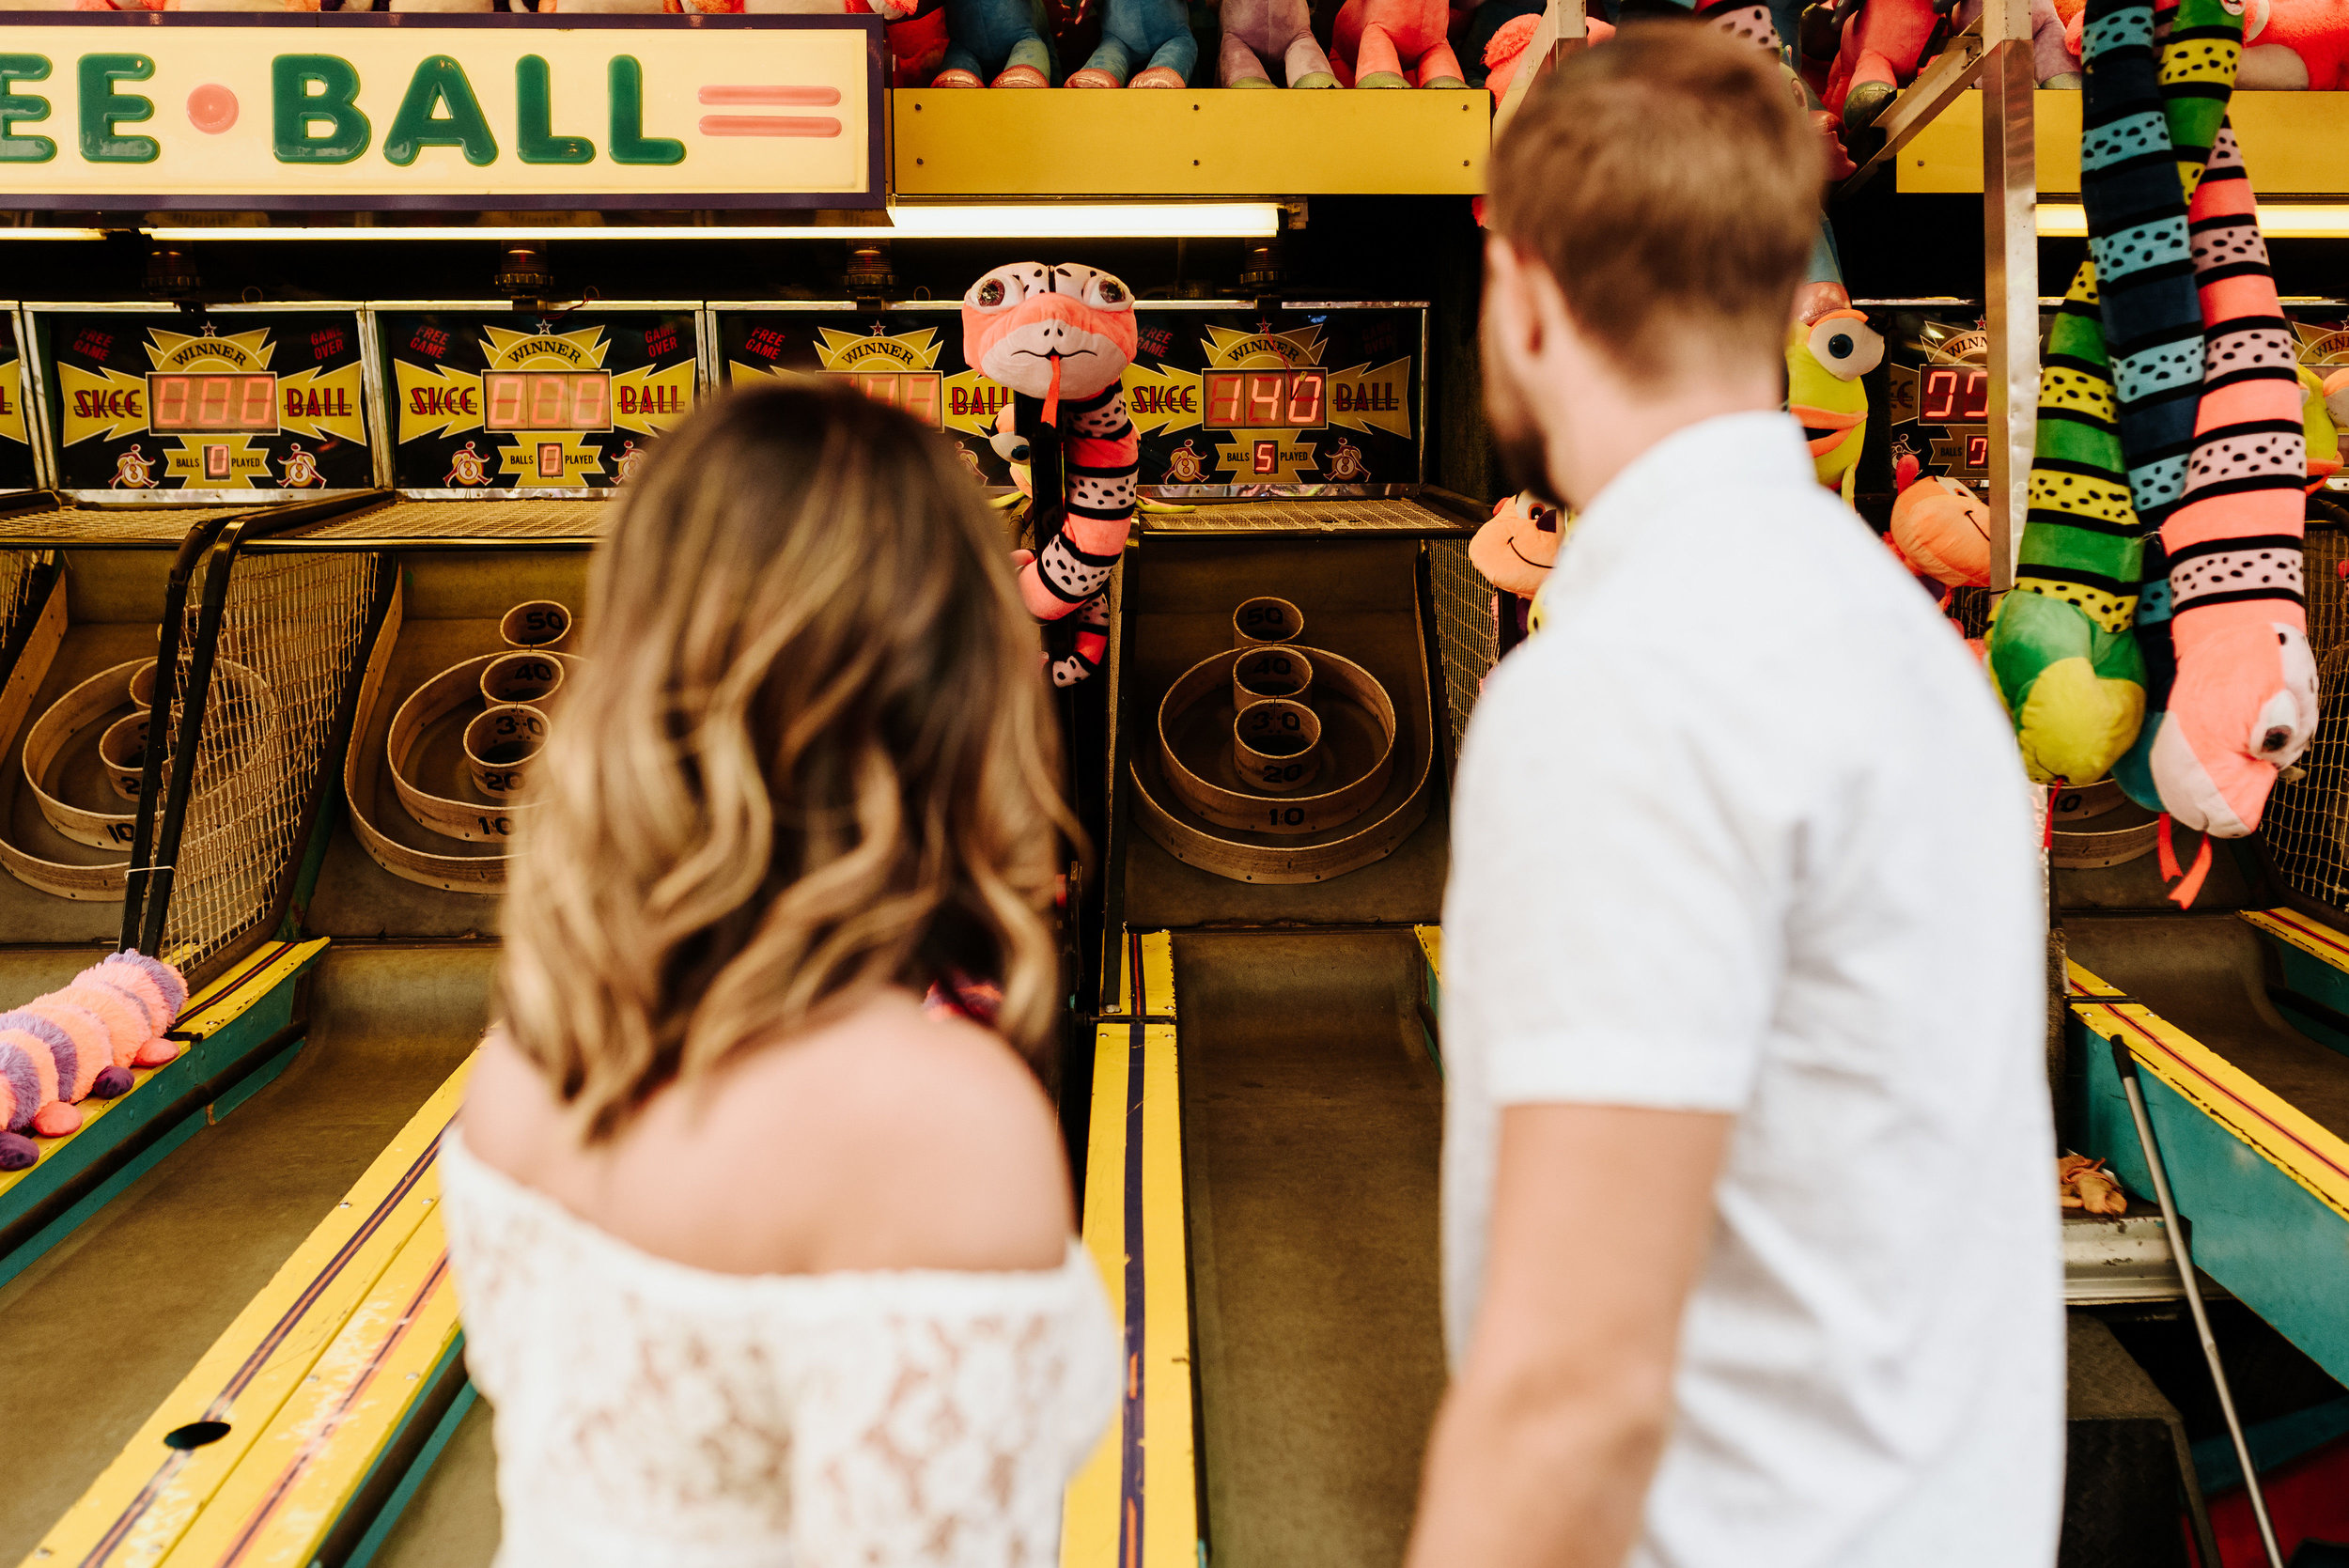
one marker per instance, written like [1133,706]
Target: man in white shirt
[1750,1251]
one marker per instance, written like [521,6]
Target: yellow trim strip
[2284,1136]
[1145,1472]
[1088,1534]
[275,1508]
[1170,1472]
[1157,975]
[211,1009]
[2316,940]
[1431,943]
[152,1495]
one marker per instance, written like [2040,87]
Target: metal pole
[2010,238]
[2125,1064]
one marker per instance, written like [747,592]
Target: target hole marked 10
[1266,619]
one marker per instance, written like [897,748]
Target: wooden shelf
[2292,142]
[1153,143]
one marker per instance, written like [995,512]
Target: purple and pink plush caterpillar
[82,1042]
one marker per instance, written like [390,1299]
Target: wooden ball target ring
[1270,670]
[122,751]
[243,710]
[518,685]
[454,688]
[1276,745]
[500,741]
[1267,619]
[544,624]
[1228,806]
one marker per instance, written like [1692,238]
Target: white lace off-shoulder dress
[649,1413]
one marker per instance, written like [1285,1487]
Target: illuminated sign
[375,109]
[1225,397]
[204,403]
[1292,399]
[490,399]
[546,401]
[248,401]
[16,450]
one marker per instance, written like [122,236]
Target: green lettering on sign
[535,140]
[294,108]
[102,109]
[23,108]
[630,145]
[440,79]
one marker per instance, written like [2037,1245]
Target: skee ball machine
[354,541]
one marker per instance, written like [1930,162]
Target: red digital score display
[1954,395]
[1266,399]
[919,393]
[547,400]
[212,403]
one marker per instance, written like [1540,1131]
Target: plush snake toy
[81,1043]
[2170,416]
[1060,339]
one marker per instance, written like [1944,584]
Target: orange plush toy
[1394,43]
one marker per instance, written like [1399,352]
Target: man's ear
[1513,321]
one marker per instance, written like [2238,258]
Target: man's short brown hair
[1669,181]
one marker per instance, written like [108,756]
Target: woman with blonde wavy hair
[762,1265]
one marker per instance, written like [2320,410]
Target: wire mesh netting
[292,633]
[2307,825]
[1464,634]
[443,519]
[16,588]
[111,524]
[1366,514]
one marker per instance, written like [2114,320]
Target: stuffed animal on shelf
[1824,362]
[1061,337]
[1154,35]
[2292,45]
[997,43]
[1513,551]
[1394,43]
[81,1043]
[1259,32]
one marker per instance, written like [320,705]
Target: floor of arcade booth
[103,1327]
[1312,1121]
[1312,1110]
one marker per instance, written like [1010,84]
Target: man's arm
[1544,1449]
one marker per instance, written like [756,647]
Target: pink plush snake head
[1048,331]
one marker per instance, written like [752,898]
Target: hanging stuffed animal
[2318,423]
[1941,527]
[1825,361]
[81,1043]
[997,43]
[1060,337]
[1151,35]
[1513,551]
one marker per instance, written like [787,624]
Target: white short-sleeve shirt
[1743,829]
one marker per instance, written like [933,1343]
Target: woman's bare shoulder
[884,1141]
[923,1142]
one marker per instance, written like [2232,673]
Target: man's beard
[1517,437]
